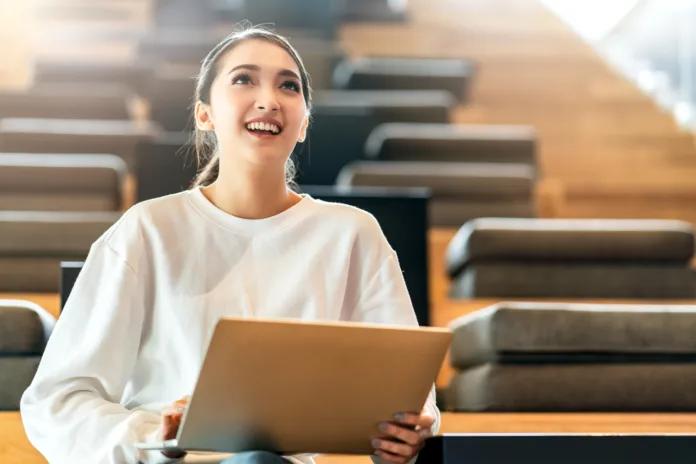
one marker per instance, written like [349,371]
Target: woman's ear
[204,121]
[303,130]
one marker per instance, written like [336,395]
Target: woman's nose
[267,100]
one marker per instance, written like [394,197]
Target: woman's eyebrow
[253,67]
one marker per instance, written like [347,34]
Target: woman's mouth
[263,129]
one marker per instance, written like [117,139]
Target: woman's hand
[170,421]
[404,436]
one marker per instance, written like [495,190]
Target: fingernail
[383,427]
[375,443]
[400,416]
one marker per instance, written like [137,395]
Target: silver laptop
[293,387]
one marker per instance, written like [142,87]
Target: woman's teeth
[263,126]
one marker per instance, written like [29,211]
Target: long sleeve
[71,411]
[385,299]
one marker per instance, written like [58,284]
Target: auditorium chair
[335,138]
[571,357]
[166,164]
[33,244]
[460,191]
[130,75]
[68,101]
[48,182]
[75,136]
[479,143]
[572,258]
[371,73]
[394,105]
[24,331]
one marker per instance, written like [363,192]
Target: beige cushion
[566,332]
[24,327]
[51,234]
[393,105]
[563,240]
[452,180]
[29,274]
[581,279]
[71,136]
[453,142]
[610,387]
[61,182]
[68,101]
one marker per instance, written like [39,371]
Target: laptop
[294,387]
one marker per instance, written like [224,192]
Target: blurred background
[514,151]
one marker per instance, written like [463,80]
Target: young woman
[131,340]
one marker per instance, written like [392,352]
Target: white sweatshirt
[134,331]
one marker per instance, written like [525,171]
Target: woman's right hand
[170,421]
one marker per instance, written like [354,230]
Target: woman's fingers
[390,457]
[403,451]
[424,420]
[407,435]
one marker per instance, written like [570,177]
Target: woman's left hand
[404,436]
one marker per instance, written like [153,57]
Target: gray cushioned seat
[365,73]
[516,332]
[47,182]
[504,240]
[574,280]
[68,101]
[608,387]
[33,243]
[453,142]
[24,330]
[16,374]
[460,191]
[74,136]
[393,105]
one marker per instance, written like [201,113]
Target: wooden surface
[16,449]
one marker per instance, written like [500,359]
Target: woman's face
[257,108]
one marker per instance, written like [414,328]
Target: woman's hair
[207,152]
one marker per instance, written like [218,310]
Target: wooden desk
[16,449]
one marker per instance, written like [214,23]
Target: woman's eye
[292,85]
[242,79]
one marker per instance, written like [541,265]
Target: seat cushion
[405,74]
[574,280]
[84,72]
[511,332]
[601,240]
[33,274]
[445,180]
[68,101]
[74,136]
[51,234]
[66,182]
[24,328]
[393,105]
[16,374]
[453,142]
[637,387]
[452,213]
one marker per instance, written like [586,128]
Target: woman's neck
[251,195]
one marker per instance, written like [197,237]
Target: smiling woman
[250,80]
[132,336]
